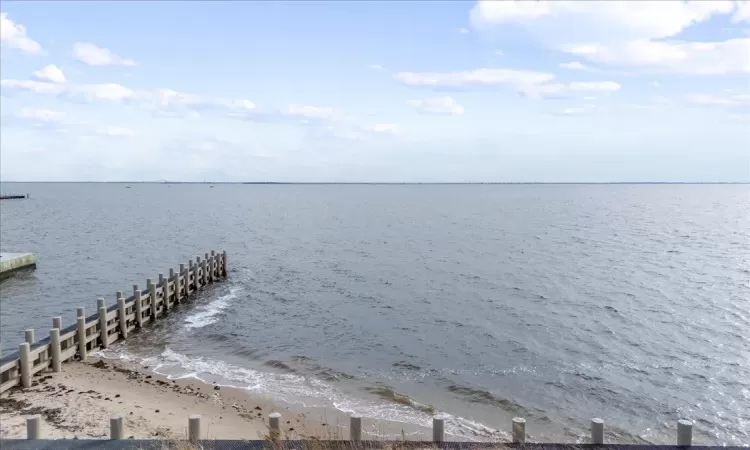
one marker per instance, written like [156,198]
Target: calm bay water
[554,302]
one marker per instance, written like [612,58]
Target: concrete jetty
[10,262]
[108,324]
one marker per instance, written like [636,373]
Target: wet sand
[79,401]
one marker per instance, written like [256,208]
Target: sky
[387,91]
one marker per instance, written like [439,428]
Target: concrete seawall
[11,262]
[109,324]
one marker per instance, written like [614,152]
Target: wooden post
[54,346]
[24,353]
[224,262]
[81,323]
[29,336]
[684,433]
[214,265]
[519,430]
[180,286]
[103,335]
[274,422]
[116,428]
[123,318]
[174,279]
[164,291]
[138,306]
[597,431]
[152,295]
[194,428]
[188,288]
[57,322]
[355,428]
[438,429]
[33,425]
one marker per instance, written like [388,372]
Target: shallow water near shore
[557,303]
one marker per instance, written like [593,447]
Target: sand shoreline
[78,402]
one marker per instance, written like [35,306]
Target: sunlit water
[554,302]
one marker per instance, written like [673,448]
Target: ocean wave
[207,314]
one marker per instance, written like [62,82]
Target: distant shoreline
[385,183]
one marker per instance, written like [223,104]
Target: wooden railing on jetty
[109,324]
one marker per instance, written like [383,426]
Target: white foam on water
[296,389]
[209,313]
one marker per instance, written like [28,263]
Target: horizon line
[385,182]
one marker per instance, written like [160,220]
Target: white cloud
[655,84]
[38,87]
[50,73]
[438,105]
[14,35]
[463,30]
[116,132]
[376,67]
[626,32]
[575,65]
[538,91]
[742,13]
[499,53]
[730,99]
[42,115]
[98,56]
[308,111]
[385,128]
[477,77]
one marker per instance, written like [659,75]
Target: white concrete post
[194,428]
[274,422]
[188,289]
[178,284]
[684,433]
[123,318]
[57,322]
[152,295]
[355,428]
[138,306]
[29,336]
[24,353]
[198,277]
[33,427]
[54,349]
[164,291]
[81,312]
[597,431]
[116,427]
[519,430]
[438,429]
[103,335]
[99,303]
[81,324]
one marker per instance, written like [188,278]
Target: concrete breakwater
[109,324]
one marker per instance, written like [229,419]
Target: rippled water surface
[554,302]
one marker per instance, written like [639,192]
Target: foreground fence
[518,430]
[109,324]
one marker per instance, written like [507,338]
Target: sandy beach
[78,402]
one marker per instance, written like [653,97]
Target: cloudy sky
[376,91]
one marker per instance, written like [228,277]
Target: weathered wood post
[57,322]
[81,330]
[176,280]
[188,287]
[597,431]
[33,427]
[224,262]
[54,349]
[214,265]
[355,428]
[274,423]
[103,334]
[684,433]
[29,336]
[116,428]
[123,317]
[24,353]
[152,295]
[194,428]
[138,306]
[519,430]
[438,429]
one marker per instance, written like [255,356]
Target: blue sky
[376,91]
